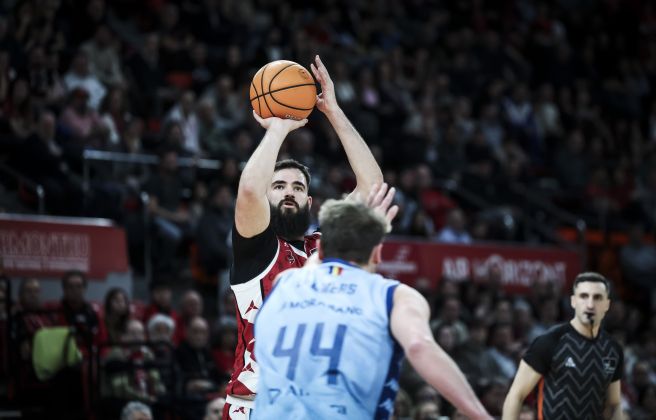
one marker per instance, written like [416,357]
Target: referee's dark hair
[591,276]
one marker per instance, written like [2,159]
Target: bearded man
[272,215]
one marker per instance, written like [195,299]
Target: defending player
[330,337]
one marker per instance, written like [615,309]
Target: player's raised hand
[380,199]
[286,125]
[326,100]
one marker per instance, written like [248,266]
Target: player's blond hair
[350,230]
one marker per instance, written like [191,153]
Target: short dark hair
[593,277]
[74,273]
[291,163]
[350,230]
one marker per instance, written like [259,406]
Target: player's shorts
[233,410]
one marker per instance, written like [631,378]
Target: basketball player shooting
[578,365]
[272,215]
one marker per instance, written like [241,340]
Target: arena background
[521,136]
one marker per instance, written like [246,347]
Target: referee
[577,365]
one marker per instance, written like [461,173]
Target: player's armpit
[524,382]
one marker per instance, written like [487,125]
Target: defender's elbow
[417,347]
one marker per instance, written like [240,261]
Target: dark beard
[290,225]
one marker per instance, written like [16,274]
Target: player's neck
[584,329]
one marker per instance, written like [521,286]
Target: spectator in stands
[402,406]
[160,296]
[647,192]
[642,376]
[184,113]
[146,73]
[170,219]
[42,160]
[29,295]
[638,260]
[115,116]
[104,62]
[5,71]
[427,410]
[28,319]
[433,201]
[161,328]
[523,321]
[501,351]
[46,85]
[421,225]
[445,336]
[227,307]
[491,128]
[80,76]
[82,122]
[472,356]
[229,105]
[201,70]
[454,231]
[4,316]
[115,316]
[18,111]
[520,117]
[214,409]
[223,351]
[200,374]
[493,391]
[191,307]
[212,135]
[503,312]
[450,314]
[126,377]
[646,406]
[175,36]
[136,410]
[160,342]
[76,311]
[213,231]
[571,164]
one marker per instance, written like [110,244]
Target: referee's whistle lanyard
[593,337]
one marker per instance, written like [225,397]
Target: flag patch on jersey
[336,271]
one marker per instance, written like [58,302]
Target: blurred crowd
[472,108]
[483,114]
[174,358]
[176,355]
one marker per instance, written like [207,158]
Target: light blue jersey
[324,347]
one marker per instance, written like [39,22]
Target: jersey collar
[339,261]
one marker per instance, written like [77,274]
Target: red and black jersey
[257,261]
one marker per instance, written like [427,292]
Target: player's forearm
[511,407]
[440,371]
[362,161]
[616,412]
[257,173]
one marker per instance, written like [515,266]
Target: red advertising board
[520,266]
[45,246]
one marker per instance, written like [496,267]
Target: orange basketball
[283,89]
